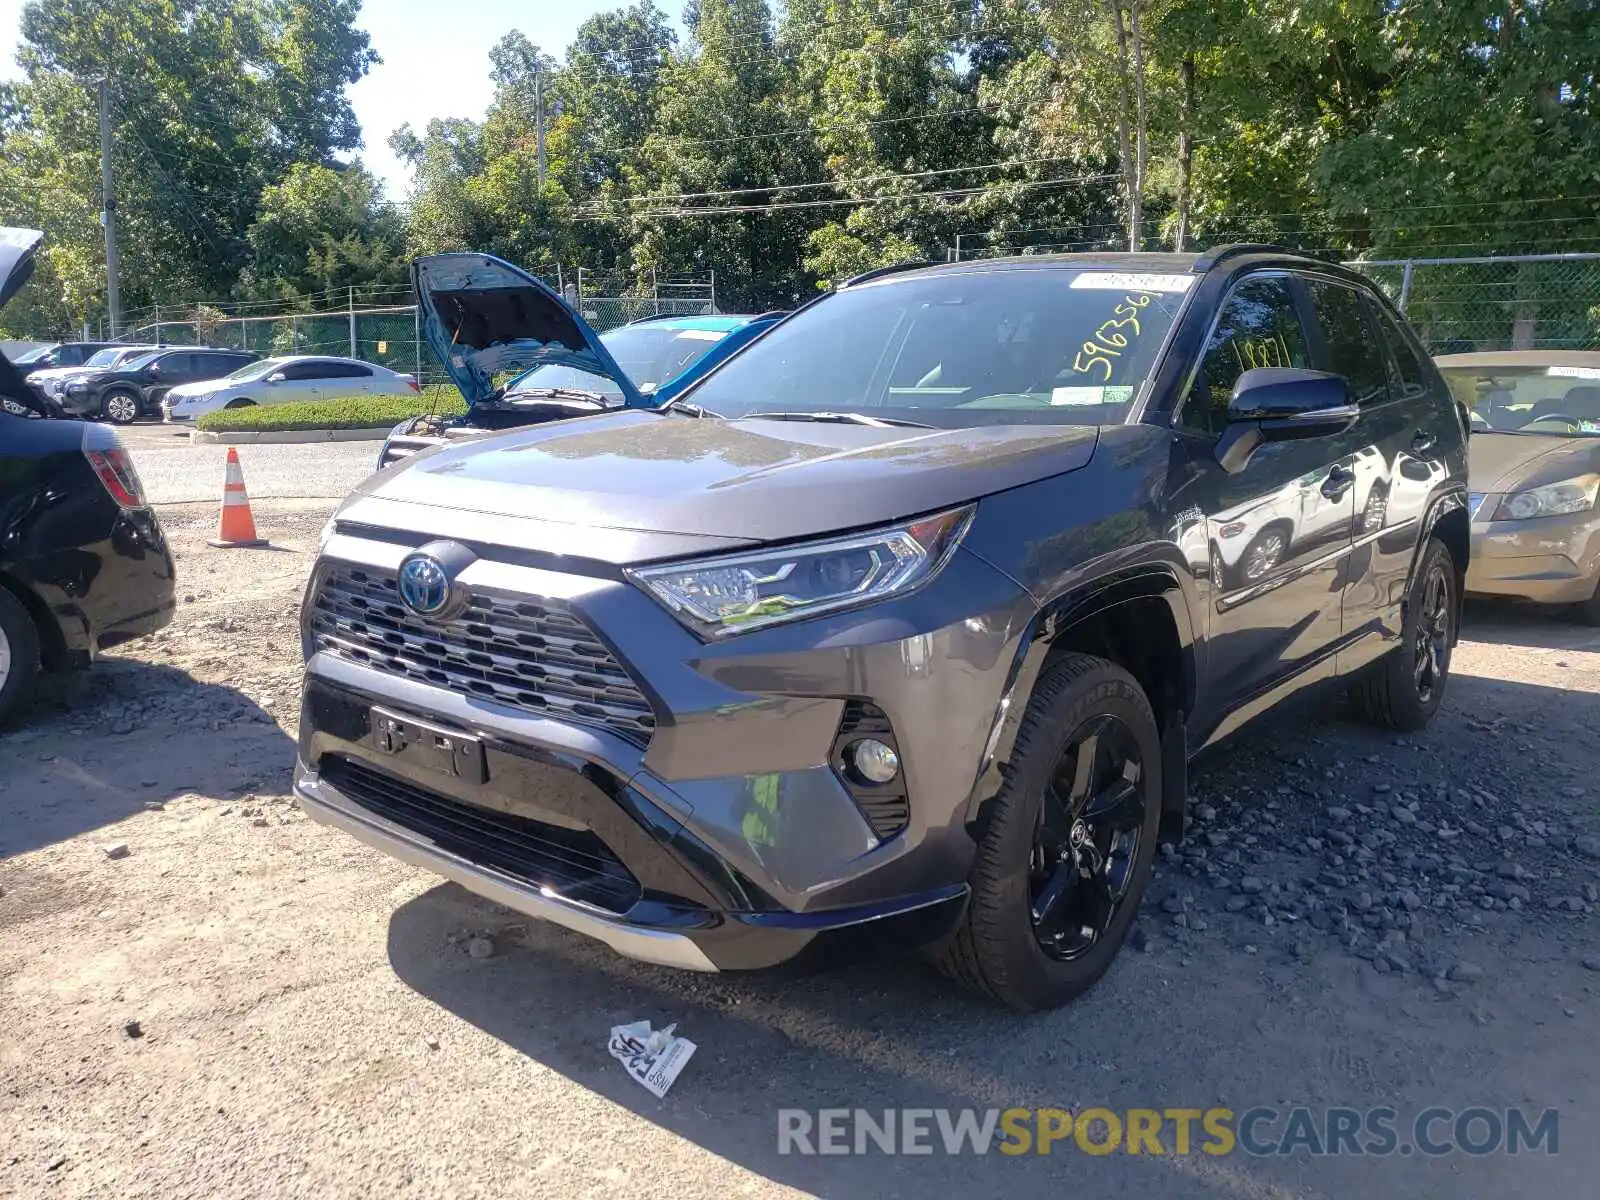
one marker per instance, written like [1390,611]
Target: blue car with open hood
[466,299]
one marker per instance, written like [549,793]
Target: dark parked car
[61,354]
[83,563]
[126,393]
[899,627]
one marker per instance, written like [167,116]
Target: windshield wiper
[688,408]
[598,399]
[836,418]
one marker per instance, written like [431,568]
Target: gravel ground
[203,994]
[173,471]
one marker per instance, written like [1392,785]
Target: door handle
[1338,482]
[1423,443]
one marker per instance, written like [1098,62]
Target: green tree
[323,229]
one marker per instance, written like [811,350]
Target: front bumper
[745,723]
[1550,560]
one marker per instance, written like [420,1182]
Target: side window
[1354,348]
[1259,327]
[71,356]
[339,370]
[306,370]
[1411,378]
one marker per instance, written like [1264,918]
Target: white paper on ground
[654,1059]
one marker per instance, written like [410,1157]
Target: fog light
[873,760]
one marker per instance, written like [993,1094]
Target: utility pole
[108,210]
[538,117]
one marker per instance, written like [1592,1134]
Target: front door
[1278,530]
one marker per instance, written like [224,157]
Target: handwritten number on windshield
[1108,343]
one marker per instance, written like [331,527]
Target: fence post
[713,290]
[352,303]
[244,334]
[1405,285]
[416,319]
[294,334]
[580,283]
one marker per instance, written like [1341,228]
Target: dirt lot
[1355,920]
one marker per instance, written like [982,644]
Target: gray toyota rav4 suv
[900,627]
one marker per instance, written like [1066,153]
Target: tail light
[109,460]
[415,386]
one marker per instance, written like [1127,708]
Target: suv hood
[745,480]
[488,320]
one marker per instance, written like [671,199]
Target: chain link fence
[388,336]
[1521,302]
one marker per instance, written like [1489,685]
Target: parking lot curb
[268,436]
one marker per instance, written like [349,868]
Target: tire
[19,655]
[240,402]
[120,406]
[1401,691]
[999,950]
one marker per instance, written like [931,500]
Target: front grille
[575,864]
[525,652]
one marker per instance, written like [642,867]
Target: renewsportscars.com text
[1260,1131]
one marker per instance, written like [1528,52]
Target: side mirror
[1282,404]
[276,377]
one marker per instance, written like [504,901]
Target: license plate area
[431,747]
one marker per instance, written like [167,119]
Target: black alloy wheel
[1432,633]
[1087,838]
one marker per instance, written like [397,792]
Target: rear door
[1417,432]
[348,379]
[1351,342]
[1276,570]
[301,381]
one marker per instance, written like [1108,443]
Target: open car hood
[489,321]
[17,247]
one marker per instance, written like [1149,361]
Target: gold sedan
[1534,470]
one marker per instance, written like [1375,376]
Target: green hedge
[352,412]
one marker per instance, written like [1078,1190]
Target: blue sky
[435,60]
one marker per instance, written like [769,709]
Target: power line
[649,198]
[955,193]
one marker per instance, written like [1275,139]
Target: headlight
[720,596]
[77,385]
[324,537]
[1551,500]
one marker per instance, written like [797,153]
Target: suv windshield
[650,355]
[35,354]
[1543,400]
[1050,344]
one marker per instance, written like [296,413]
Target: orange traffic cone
[236,526]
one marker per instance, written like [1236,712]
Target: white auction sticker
[654,1059]
[1123,281]
[1574,372]
[701,335]
[1083,397]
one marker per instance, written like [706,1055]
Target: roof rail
[879,272]
[1217,254]
[772,314]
